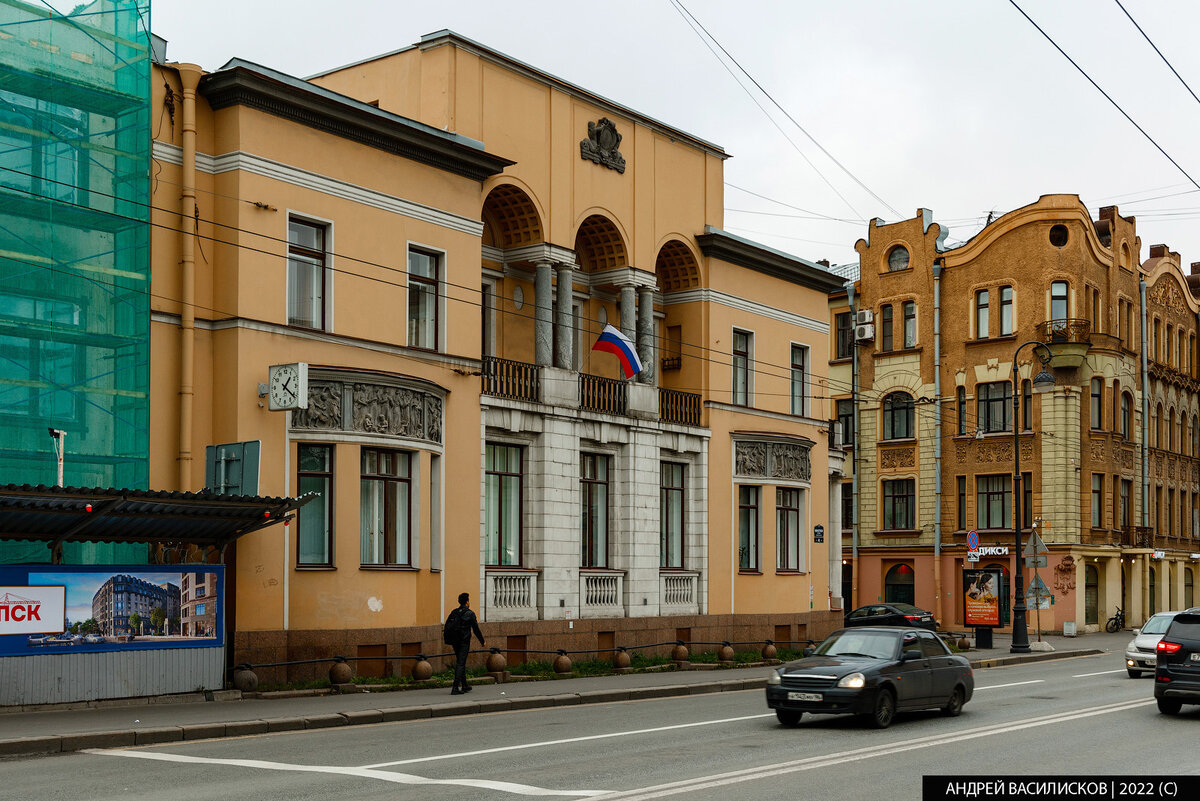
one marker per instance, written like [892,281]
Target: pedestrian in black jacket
[466,623]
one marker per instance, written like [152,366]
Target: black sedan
[1177,675]
[891,615]
[874,672]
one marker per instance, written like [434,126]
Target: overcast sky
[953,105]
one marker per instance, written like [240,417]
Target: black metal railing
[598,394]
[1065,330]
[678,407]
[504,378]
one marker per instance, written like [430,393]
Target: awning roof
[75,514]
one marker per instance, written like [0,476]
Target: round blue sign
[972,540]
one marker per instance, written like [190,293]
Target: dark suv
[1177,675]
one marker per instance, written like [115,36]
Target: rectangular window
[847,506]
[748,529]
[1126,415]
[960,402]
[502,486]
[1097,500]
[1026,500]
[910,324]
[961,522]
[1170,512]
[994,406]
[845,415]
[1126,509]
[670,515]
[306,274]
[844,323]
[1058,301]
[423,280]
[1006,311]
[741,367]
[885,328]
[593,485]
[981,314]
[899,504]
[199,609]
[789,515]
[799,380]
[1027,405]
[314,520]
[1097,421]
[386,507]
[993,501]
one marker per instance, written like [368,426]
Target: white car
[1141,652]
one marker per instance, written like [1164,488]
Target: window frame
[428,285]
[1007,320]
[988,406]
[323,259]
[789,525]
[749,521]
[391,518]
[898,500]
[501,475]
[992,488]
[845,416]
[886,340]
[1057,298]
[589,486]
[844,343]
[1097,404]
[982,320]
[678,491]
[742,359]
[326,500]
[908,313]
[1097,500]
[799,369]
[898,407]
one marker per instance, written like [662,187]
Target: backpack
[453,630]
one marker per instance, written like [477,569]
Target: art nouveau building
[1108,456]
[440,234]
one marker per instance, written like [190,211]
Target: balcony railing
[678,593]
[601,594]
[678,407]
[510,595]
[1072,330]
[503,378]
[597,394]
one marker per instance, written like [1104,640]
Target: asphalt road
[1080,716]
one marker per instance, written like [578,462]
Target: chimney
[824,263]
[1196,268]
[1158,251]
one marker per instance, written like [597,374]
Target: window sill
[882,354]
[899,441]
[790,573]
[510,569]
[744,571]
[675,571]
[399,568]
[897,532]
[314,568]
[842,360]
[985,340]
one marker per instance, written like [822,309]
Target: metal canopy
[55,515]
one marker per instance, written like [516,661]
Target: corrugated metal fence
[63,678]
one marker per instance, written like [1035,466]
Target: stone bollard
[562,664]
[964,644]
[725,654]
[422,670]
[496,662]
[621,659]
[340,672]
[245,679]
[680,654]
[769,651]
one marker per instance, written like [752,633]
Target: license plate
[804,696]
[1195,657]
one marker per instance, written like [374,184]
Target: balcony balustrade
[504,378]
[601,593]
[510,595]
[678,407]
[678,593]
[598,394]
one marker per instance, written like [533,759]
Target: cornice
[717,244]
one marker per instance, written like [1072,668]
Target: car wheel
[885,709]
[1169,706]
[788,717]
[1133,674]
[953,707]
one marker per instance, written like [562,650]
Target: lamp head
[1043,382]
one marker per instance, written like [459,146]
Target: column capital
[541,253]
[627,277]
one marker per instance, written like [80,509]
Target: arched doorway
[1153,594]
[1091,595]
[1005,592]
[899,585]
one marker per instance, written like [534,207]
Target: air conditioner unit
[865,317]
[864,333]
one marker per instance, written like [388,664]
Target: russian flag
[616,343]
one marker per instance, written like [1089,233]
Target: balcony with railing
[678,407]
[1068,340]
[601,593]
[599,394]
[504,378]
[679,593]
[510,594]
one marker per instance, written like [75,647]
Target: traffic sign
[1035,561]
[972,540]
[1037,589]
[972,556]
[1035,546]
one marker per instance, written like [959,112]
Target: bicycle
[1116,622]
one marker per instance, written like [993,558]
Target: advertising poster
[49,609]
[981,597]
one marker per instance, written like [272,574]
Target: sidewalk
[143,721]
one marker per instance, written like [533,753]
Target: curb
[1016,659]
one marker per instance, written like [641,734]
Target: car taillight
[1168,647]
[912,617]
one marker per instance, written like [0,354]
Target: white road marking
[1014,684]
[1098,673]
[754,774]
[365,773]
[499,749]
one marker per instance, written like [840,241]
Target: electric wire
[1156,50]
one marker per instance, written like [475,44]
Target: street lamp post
[1042,382]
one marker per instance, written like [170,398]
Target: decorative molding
[1097,447]
[306,179]
[718,244]
[773,460]
[601,145]
[1064,575]
[390,409]
[741,304]
[893,458]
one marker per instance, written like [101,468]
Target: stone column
[543,331]
[833,542]
[628,311]
[645,334]
[564,358]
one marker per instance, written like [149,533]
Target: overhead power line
[1107,97]
[1156,50]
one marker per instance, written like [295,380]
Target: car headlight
[774,678]
[853,681]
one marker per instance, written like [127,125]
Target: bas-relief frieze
[373,409]
[1167,295]
[893,458]
[785,460]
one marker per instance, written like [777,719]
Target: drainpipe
[854,457]
[1145,414]
[937,440]
[189,76]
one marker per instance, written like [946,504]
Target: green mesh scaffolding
[75,251]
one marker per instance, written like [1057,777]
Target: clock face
[284,391]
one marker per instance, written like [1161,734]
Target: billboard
[80,608]
[981,597]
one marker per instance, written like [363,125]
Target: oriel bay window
[314,520]
[593,485]
[670,515]
[386,507]
[502,505]
[899,504]
[789,520]
[748,527]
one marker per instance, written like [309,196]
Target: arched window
[898,416]
[899,585]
